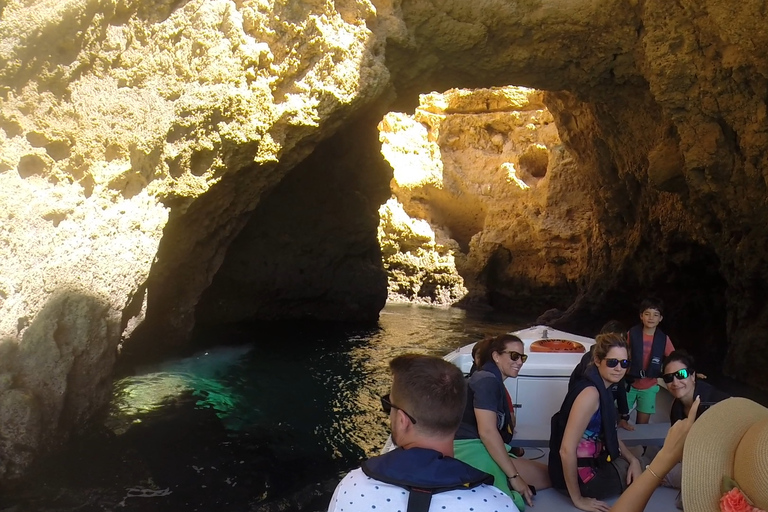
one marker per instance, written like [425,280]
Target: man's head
[431,391]
[651,312]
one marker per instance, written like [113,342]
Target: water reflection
[254,422]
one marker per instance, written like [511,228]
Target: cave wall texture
[140,141]
[487,170]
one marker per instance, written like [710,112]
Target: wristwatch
[625,417]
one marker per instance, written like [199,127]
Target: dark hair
[432,390]
[681,356]
[479,348]
[605,342]
[652,303]
[496,344]
[613,326]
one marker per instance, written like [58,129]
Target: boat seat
[551,500]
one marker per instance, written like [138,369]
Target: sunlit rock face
[420,264]
[486,169]
[136,138]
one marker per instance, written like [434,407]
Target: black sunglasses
[516,355]
[613,362]
[387,407]
[680,374]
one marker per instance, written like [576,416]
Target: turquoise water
[266,417]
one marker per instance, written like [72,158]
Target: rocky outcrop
[486,169]
[138,141]
[419,269]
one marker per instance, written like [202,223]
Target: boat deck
[550,500]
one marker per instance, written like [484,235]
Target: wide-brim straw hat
[730,439]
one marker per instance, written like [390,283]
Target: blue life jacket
[636,369]
[423,472]
[610,437]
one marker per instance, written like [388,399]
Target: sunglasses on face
[387,407]
[680,374]
[516,355]
[611,363]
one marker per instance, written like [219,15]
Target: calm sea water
[265,418]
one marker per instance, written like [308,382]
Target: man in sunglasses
[425,406]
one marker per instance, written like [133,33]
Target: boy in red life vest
[648,346]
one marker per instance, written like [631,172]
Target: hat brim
[710,450]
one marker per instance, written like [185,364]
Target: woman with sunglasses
[587,459]
[682,382]
[487,423]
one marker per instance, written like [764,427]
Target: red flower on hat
[735,501]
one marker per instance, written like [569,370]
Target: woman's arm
[489,435]
[635,469]
[636,496]
[585,405]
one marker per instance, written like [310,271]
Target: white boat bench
[652,434]
[551,500]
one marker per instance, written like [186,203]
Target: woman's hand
[591,505]
[635,470]
[521,486]
[672,451]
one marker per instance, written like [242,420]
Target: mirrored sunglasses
[680,374]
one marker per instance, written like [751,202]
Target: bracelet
[648,467]
[513,476]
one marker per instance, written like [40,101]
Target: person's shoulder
[482,497]
[710,393]
[358,491]
[483,379]
[588,393]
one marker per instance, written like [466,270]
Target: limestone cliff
[487,170]
[136,138]
[140,141]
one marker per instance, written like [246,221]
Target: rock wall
[667,109]
[487,170]
[137,141]
[309,249]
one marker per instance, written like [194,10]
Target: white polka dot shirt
[360,493]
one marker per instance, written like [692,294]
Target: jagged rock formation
[137,139]
[419,269]
[487,170]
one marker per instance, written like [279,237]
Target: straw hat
[730,439]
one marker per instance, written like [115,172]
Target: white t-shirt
[358,492]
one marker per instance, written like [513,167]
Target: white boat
[542,383]
[540,389]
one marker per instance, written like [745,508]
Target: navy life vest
[619,390]
[609,435]
[636,370]
[423,472]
